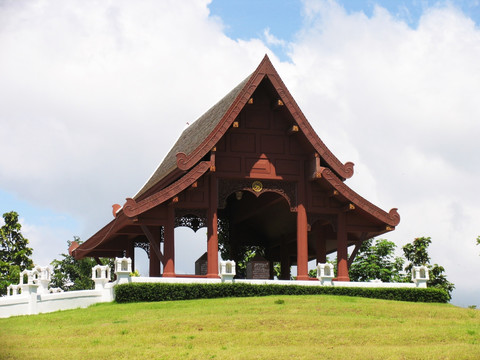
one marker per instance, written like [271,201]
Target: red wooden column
[212,232]
[169,244]
[302,234]
[342,253]
[154,268]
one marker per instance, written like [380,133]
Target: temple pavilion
[253,170]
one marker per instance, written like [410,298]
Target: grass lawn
[276,327]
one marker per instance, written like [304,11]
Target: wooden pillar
[302,234]
[342,253]
[321,246]
[154,264]
[212,232]
[169,244]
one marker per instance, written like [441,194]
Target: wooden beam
[153,244]
[354,253]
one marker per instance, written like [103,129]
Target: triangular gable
[200,137]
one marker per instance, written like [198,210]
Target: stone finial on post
[420,276]
[29,281]
[44,278]
[226,270]
[123,269]
[325,273]
[101,276]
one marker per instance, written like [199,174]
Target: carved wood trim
[287,189]
[192,218]
[132,208]
[391,218]
[143,245]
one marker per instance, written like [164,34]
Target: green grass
[275,327]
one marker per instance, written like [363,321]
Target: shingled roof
[193,136]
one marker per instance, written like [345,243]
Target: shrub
[140,292]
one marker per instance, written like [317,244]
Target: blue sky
[247,19]
[90,99]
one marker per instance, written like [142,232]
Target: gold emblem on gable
[257,186]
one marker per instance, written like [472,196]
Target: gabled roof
[201,136]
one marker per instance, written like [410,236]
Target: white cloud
[403,104]
[92,95]
[271,39]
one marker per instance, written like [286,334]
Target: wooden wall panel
[242,142]
[272,144]
[232,164]
[287,167]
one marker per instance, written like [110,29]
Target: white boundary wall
[35,297]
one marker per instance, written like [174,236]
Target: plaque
[201,265]
[258,268]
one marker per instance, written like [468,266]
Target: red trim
[391,218]
[132,208]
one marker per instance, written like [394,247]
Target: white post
[420,276]
[101,276]
[226,270]
[325,273]
[44,279]
[123,269]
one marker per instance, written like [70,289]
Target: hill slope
[278,327]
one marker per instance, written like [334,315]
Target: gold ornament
[257,186]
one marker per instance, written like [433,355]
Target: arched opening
[190,245]
[258,225]
[124,265]
[327,270]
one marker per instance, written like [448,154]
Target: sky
[93,94]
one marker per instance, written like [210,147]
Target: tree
[14,251]
[71,274]
[478,240]
[377,261]
[417,253]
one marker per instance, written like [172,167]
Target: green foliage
[377,261]
[478,240]
[417,253]
[139,292]
[14,251]
[70,274]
